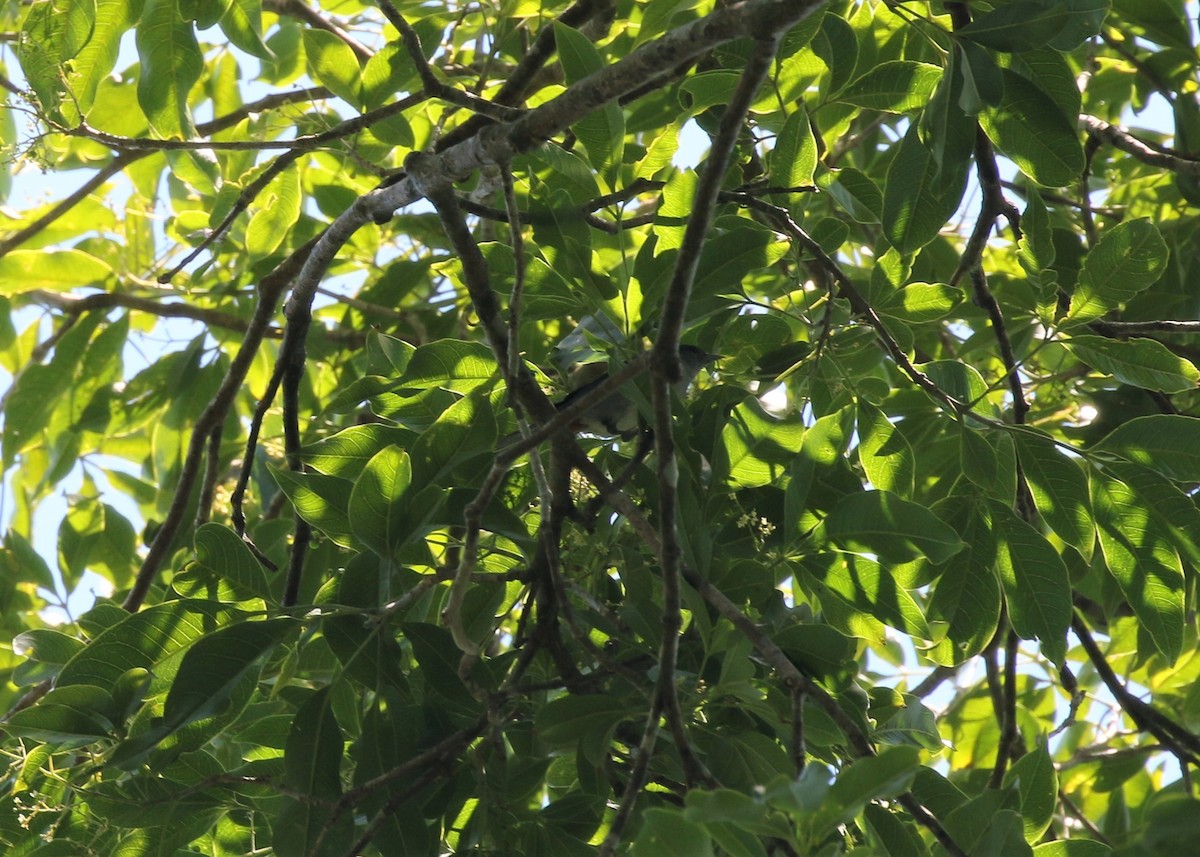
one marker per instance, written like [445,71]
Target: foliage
[910,571]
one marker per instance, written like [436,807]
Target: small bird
[617,415]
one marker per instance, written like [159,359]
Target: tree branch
[1145,152]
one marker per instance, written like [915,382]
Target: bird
[616,415]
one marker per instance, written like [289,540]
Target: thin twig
[276,167]
[675,304]
[1181,743]
[433,86]
[123,160]
[270,289]
[301,11]
[513,89]
[75,306]
[1140,149]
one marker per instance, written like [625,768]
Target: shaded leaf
[880,522]
[1145,363]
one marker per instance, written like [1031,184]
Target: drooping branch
[270,290]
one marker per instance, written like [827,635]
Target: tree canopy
[910,570]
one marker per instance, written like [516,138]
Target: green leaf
[387,72]
[944,126]
[868,586]
[1143,561]
[1168,443]
[1035,778]
[728,258]
[312,762]
[1072,848]
[660,152]
[960,380]
[1035,581]
[1129,259]
[347,452]
[896,837]
[885,454]
[380,511]
[1159,20]
[920,302]
[171,65]
[897,86]
[983,80]
[143,640]
[794,158]
[53,270]
[988,460]
[96,57]
[881,523]
[1145,363]
[46,645]
[71,716]
[985,826]
[1054,75]
[818,650]
[666,833]
[708,89]
[568,719]
[332,64]
[856,192]
[242,23]
[966,599]
[215,663]
[836,43]
[1035,250]
[439,658]
[450,364]
[671,216]
[1059,489]
[1023,25]
[465,429]
[1175,512]
[755,448]
[323,501]
[602,132]
[219,550]
[278,210]
[178,806]
[920,195]
[547,294]
[884,775]
[1029,128]
[54,32]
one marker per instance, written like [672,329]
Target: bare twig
[301,11]
[434,87]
